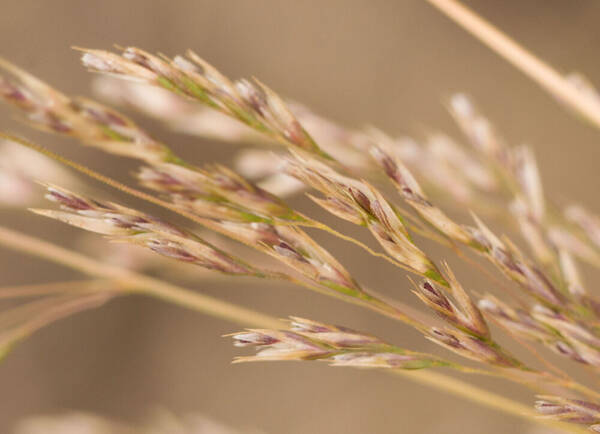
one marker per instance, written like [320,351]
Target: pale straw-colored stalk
[535,68]
[132,282]
[40,289]
[49,313]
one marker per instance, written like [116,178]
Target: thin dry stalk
[52,288]
[542,73]
[49,315]
[134,282]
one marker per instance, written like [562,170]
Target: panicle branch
[89,121]
[216,192]
[510,261]
[560,334]
[473,348]
[570,410]
[416,198]
[440,161]
[360,203]
[128,225]
[459,311]
[221,191]
[516,170]
[295,248]
[503,255]
[340,346]
[248,101]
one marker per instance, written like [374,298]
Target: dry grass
[538,297]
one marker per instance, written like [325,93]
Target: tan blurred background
[386,63]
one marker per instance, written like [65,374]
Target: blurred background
[382,63]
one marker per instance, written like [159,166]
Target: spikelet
[179,113]
[460,311]
[340,346]
[127,225]
[89,121]
[587,221]
[359,202]
[524,324]
[416,198]
[250,102]
[508,259]
[570,410]
[216,192]
[479,130]
[579,337]
[472,347]
[295,248]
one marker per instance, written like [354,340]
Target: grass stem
[535,68]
